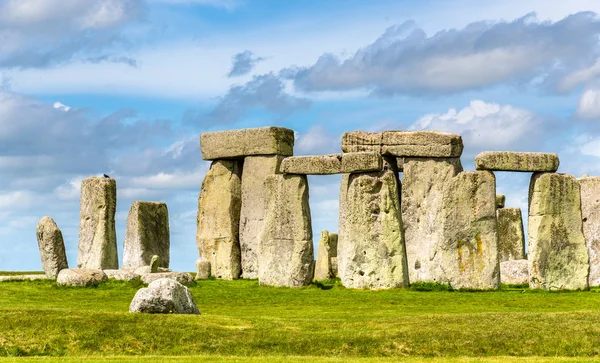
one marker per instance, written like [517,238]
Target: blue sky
[125,87]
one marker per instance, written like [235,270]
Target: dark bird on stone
[106,176]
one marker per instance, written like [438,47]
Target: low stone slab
[81,277]
[590,213]
[233,144]
[164,296]
[516,161]
[122,275]
[404,143]
[332,163]
[500,200]
[147,234]
[181,277]
[24,277]
[52,247]
[327,250]
[511,239]
[514,272]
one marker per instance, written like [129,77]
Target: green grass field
[244,322]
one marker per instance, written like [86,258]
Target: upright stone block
[254,208]
[97,234]
[324,268]
[235,144]
[219,204]
[371,243]
[469,251]
[590,212]
[52,247]
[500,200]
[423,184]
[511,239]
[516,161]
[286,256]
[147,234]
[558,255]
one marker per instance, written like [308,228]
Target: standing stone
[423,183]
[52,247]
[558,255]
[371,243]
[147,234]
[219,206]
[285,253]
[202,269]
[324,268]
[511,239]
[469,250]
[254,208]
[97,234]
[590,212]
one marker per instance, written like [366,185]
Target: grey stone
[400,164]
[514,272]
[285,254]
[80,277]
[423,184]
[233,144]
[154,263]
[327,251]
[97,234]
[147,234]
[404,143]
[219,205]
[469,251]
[500,200]
[558,255]
[254,208]
[164,296]
[371,244]
[122,275]
[202,269]
[181,277]
[511,239]
[516,161]
[590,213]
[52,247]
[332,163]
[361,162]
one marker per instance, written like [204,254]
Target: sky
[125,87]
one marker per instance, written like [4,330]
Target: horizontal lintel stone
[517,161]
[234,144]
[358,162]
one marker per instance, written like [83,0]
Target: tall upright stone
[469,250]
[217,236]
[558,255]
[52,247]
[423,183]
[285,253]
[371,250]
[327,251]
[590,212]
[511,239]
[147,234]
[253,211]
[97,235]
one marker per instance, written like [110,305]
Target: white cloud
[589,104]
[317,140]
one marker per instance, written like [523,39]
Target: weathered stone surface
[514,272]
[361,162]
[164,296]
[285,254]
[516,161]
[469,251]
[254,208]
[97,235]
[52,247]
[219,205]
[326,252]
[154,263]
[24,277]
[80,277]
[122,275]
[511,239]
[404,143]
[202,269]
[400,164]
[423,184]
[181,277]
[332,163]
[558,255]
[500,200]
[232,144]
[371,244]
[147,234]
[590,213]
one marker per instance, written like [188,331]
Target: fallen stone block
[590,213]
[181,277]
[122,275]
[80,277]
[326,252]
[516,161]
[558,255]
[514,272]
[500,200]
[285,255]
[97,247]
[147,234]
[52,247]
[232,144]
[164,296]
[511,239]
[404,143]
[219,206]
